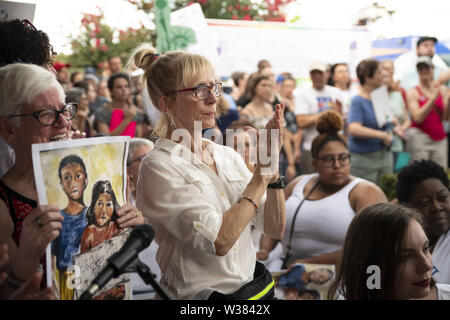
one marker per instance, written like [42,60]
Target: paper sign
[380,102]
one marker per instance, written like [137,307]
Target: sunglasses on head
[28,25]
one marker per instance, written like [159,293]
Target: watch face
[279,184]
[282,182]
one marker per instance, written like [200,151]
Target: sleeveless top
[432,124]
[321,225]
[19,207]
[258,122]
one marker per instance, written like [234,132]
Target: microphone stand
[149,278]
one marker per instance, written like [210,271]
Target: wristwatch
[279,184]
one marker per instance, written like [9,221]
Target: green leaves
[98,41]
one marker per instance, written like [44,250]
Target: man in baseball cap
[309,103]
[426,46]
[62,74]
[424,61]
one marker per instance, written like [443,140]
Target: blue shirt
[294,278]
[68,242]
[225,120]
[231,102]
[361,110]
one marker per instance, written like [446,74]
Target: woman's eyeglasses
[202,92]
[330,160]
[48,117]
[137,159]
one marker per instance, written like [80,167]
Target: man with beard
[424,185]
[73,178]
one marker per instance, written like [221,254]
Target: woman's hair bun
[329,122]
[143,55]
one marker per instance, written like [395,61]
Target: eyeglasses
[137,159]
[48,117]
[28,25]
[202,91]
[330,160]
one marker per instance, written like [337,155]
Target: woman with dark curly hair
[424,185]
[22,42]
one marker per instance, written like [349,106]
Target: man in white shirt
[309,103]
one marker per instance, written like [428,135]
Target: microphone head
[144,233]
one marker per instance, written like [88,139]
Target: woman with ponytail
[320,206]
[199,195]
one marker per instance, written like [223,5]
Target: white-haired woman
[33,110]
[138,149]
[200,196]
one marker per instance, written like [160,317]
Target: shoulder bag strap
[293,223]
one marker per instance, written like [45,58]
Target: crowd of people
[220,213]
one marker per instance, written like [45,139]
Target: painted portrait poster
[304,282]
[86,179]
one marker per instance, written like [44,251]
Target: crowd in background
[111,102]
[334,153]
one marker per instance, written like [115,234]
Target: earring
[172,122]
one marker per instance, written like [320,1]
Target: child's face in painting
[73,180]
[103,210]
[319,276]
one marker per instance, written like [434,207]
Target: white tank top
[321,225]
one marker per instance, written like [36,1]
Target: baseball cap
[58,65]
[424,60]
[426,38]
[318,65]
[92,77]
[89,70]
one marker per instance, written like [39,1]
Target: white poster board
[380,102]
[207,43]
[10,10]
[237,45]
[289,48]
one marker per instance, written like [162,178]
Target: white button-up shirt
[184,201]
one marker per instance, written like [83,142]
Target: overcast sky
[60,18]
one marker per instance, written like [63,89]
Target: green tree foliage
[264,10]
[388,183]
[98,41]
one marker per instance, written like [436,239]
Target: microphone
[139,239]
